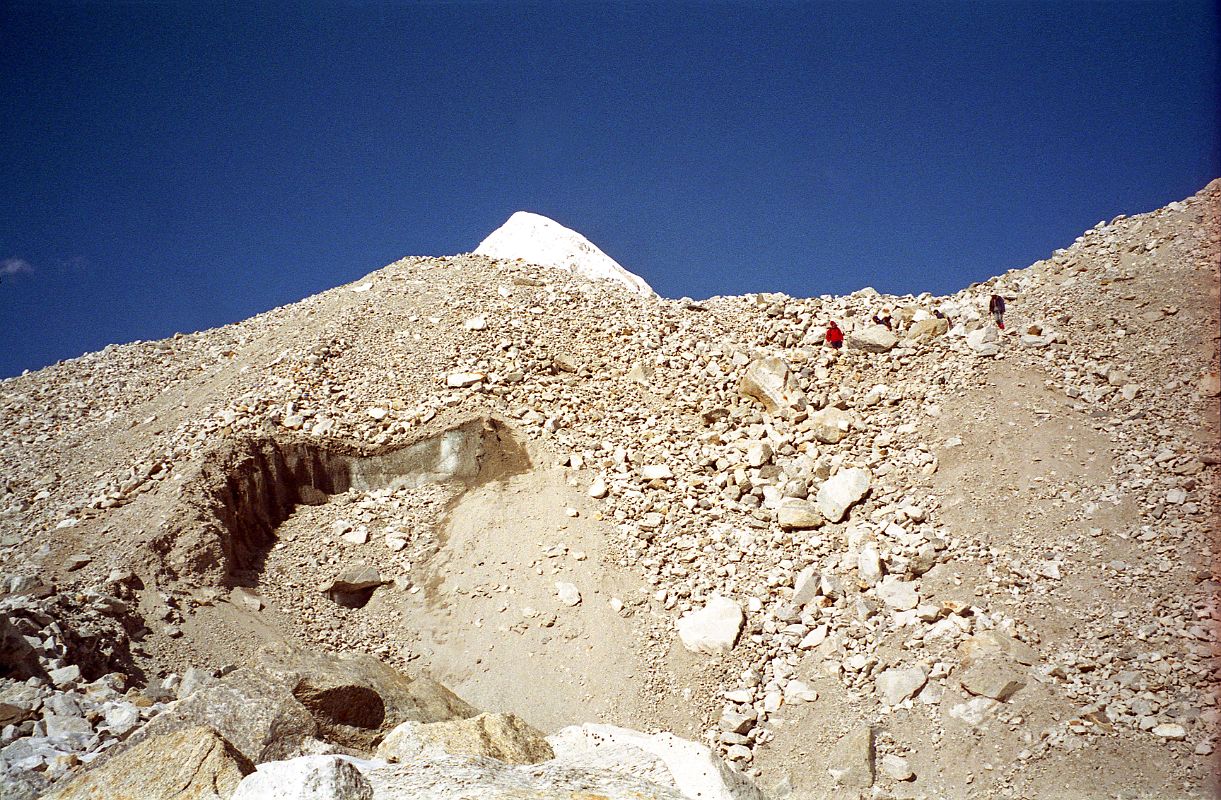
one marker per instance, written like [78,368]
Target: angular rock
[829,425]
[851,763]
[713,629]
[692,768]
[656,472]
[897,685]
[462,380]
[353,586]
[897,593]
[871,339]
[985,340]
[798,515]
[869,565]
[839,492]
[758,454]
[928,329]
[993,641]
[258,716]
[192,763]
[770,382]
[896,767]
[315,777]
[567,593]
[991,677]
[504,737]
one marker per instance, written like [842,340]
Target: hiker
[835,337]
[996,307]
[884,319]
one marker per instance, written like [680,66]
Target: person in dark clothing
[835,337]
[996,307]
[883,319]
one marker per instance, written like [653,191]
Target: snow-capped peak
[536,239]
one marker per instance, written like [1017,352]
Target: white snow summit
[536,239]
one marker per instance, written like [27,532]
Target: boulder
[897,593]
[829,425]
[992,642]
[928,329]
[840,491]
[354,698]
[798,515]
[713,629]
[993,677]
[254,713]
[504,737]
[317,777]
[984,340]
[192,763]
[468,777]
[354,585]
[871,339]
[689,767]
[896,685]
[770,382]
[851,764]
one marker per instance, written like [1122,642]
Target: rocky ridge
[943,561]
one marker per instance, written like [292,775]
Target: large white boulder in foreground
[536,239]
[714,628]
[322,777]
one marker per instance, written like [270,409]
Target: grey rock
[851,763]
[193,763]
[991,677]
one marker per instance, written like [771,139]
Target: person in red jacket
[835,337]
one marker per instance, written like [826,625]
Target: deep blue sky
[170,167]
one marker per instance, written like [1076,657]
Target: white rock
[984,340]
[568,593]
[656,472]
[869,565]
[758,454]
[695,770]
[974,711]
[714,628]
[814,638]
[840,491]
[476,323]
[771,382]
[597,489]
[897,593]
[799,692]
[305,778]
[829,425]
[897,685]
[896,767]
[1170,730]
[872,339]
[461,380]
